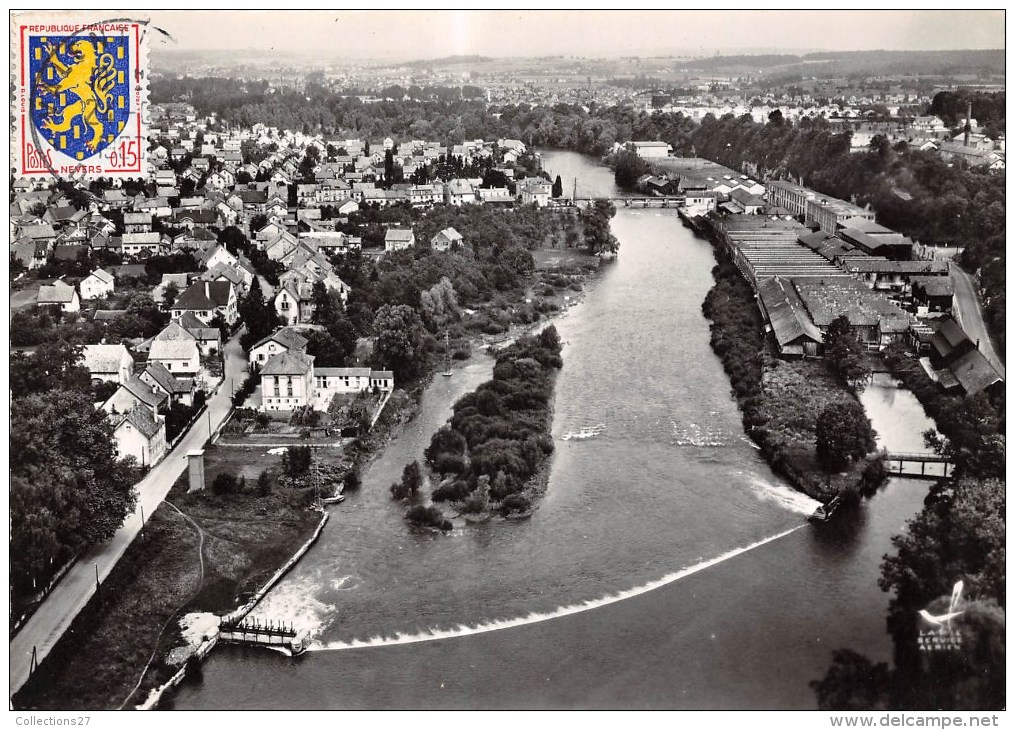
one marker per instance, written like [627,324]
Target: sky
[397,34]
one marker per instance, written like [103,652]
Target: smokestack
[207,289]
[969,116]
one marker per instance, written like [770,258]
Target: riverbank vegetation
[489,457]
[786,406]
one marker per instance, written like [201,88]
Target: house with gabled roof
[281,340]
[177,350]
[209,339]
[396,239]
[98,284]
[107,363]
[206,299]
[163,381]
[446,239]
[136,392]
[59,294]
[139,434]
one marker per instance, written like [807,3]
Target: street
[58,610]
[969,317]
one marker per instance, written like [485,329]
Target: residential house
[177,350]
[213,255]
[331,381]
[137,222]
[535,191]
[59,294]
[492,196]
[282,340]
[287,381]
[107,363]
[97,284]
[139,434]
[141,245]
[446,240]
[136,392]
[209,339]
[396,239]
[206,299]
[459,192]
[163,381]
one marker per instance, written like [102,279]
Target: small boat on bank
[824,512]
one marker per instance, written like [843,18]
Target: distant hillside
[743,61]
[448,61]
[846,63]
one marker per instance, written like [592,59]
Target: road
[970,318]
[58,610]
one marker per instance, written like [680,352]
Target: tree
[412,477]
[169,295]
[53,365]
[353,481]
[853,683]
[260,318]
[399,344]
[844,433]
[224,483]
[596,219]
[297,460]
[844,354]
[558,188]
[327,304]
[326,350]
[628,167]
[68,489]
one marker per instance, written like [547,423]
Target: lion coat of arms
[80,91]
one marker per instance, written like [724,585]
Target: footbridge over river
[919,465]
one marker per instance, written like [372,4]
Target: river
[666,566]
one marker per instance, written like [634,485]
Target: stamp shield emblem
[80,94]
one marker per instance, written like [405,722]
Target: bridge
[919,465]
[647,201]
[264,633]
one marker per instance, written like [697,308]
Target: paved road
[970,318]
[52,618]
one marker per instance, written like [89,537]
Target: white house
[109,363]
[446,239]
[282,340]
[206,299]
[459,192]
[287,381]
[136,392]
[177,350]
[97,284]
[140,434]
[59,294]
[396,239]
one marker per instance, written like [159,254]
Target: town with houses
[262,317]
[807,256]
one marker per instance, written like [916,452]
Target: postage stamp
[80,97]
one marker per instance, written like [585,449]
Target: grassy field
[246,538]
[101,656]
[548,259]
